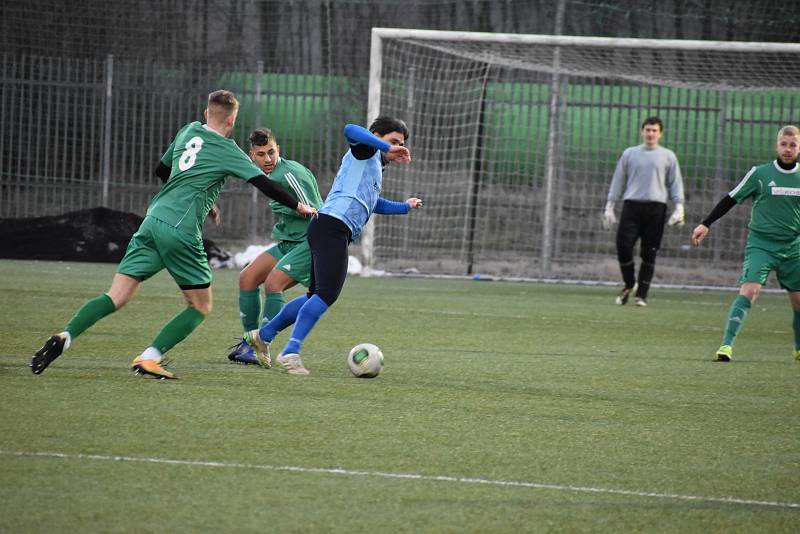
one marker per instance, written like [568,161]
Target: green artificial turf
[503,407]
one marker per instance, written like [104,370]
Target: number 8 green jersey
[201,160]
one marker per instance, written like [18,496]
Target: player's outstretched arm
[273,191]
[390,207]
[698,234]
[358,135]
[414,203]
[722,207]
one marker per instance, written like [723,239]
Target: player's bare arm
[698,234]
[722,207]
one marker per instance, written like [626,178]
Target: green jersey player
[194,169]
[773,242]
[287,262]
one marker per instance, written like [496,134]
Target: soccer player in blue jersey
[353,198]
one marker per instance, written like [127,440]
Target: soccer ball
[365,360]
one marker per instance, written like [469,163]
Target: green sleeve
[747,187]
[239,165]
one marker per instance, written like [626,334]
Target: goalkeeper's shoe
[260,346]
[51,350]
[292,363]
[623,296]
[243,353]
[725,353]
[151,368]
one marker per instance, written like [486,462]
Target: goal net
[515,138]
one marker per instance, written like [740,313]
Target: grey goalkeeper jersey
[647,174]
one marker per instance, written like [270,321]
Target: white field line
[411,476]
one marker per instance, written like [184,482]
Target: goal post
[514,139]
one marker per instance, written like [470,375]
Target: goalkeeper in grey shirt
[646,175]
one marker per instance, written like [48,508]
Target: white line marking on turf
[410,476]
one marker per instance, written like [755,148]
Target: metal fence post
[106,165]
[552,148]
[256,124]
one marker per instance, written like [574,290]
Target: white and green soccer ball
[365,360]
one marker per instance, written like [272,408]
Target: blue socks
[285,318]
[307,317]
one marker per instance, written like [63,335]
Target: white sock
[151,353]
[67,339]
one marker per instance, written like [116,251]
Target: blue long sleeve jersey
[355,193]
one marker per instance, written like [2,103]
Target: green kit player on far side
[285,263]
[773,242]
[194,168]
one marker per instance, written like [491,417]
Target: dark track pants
[645,221]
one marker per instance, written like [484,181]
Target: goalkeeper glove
[677,217]
[609,219]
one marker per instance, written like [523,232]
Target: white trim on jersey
[295,184]
[741,184]
[784,171]
[210,129]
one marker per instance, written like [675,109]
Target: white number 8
[190,154]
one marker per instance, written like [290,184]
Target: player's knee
[119,300]
[750,292]
[203,307]
[274,284]
[649,256]
[247,280]
[328,297]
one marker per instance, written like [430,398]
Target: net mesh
[481,116]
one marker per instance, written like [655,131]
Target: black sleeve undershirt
[362,152]
[274,191]
[162,171]
[722,207]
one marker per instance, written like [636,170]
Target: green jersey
[775,217]
[201,160]
[302,185]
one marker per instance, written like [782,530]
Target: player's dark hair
[224,100]
[261,137]
[653,120]
[385,124]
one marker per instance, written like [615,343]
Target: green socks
[737,315]
[249,308]
[273,302]
[177,329]
[90,313]
[797,330]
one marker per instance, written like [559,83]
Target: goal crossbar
[569,40]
